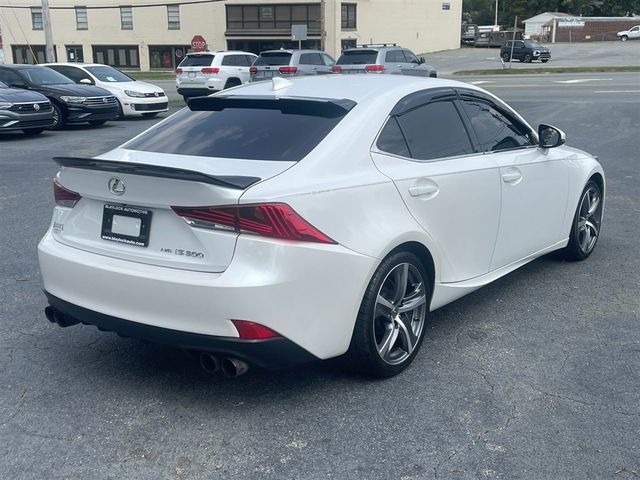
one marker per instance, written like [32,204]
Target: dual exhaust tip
[230,367]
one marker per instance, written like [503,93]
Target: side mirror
[422,60]
[86,81]
[550,137]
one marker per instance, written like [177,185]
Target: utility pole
[496,20]
[322,24]
[48,36]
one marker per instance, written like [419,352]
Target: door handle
[423,190]
[511,177]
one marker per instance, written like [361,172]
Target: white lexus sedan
[134,97]
[286,221]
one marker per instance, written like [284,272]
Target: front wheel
[624,38]
[527,58]
[58,117]
[505,57]
[544,60]
[390,326]
[587,221]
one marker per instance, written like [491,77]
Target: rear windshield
[358,57]
[244,133]
[273,58]
[197,61]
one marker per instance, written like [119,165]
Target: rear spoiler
[321,107]
[230,181]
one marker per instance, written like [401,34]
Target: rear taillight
[253,69]
[336,68]
[178,70]
[288,70]
[276,220]
[253,331]
[373,68]
[210,70]
[64,197]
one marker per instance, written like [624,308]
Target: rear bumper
[268,353]
[307,293]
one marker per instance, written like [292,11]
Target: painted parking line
[583,80]
[616,91]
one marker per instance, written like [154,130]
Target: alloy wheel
[399,313]
[589,219]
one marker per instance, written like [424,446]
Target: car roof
[219,52]
[19,67]
[374,47]
[359,88]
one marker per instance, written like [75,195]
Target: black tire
[582,241]
[232,82]
[527,58]
[506,57]
[33,131]
[150,114]
[120,110]
[377,322]
[59,117]
[544,60]
[97,123]
[624,38]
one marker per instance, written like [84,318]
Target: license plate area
[192,74]
[126,224]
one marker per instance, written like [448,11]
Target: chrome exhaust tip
[232,367]
[209,363]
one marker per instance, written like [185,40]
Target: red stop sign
[198,43]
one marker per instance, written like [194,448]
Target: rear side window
[197,61]
[310,59]
[435,130]
[230,60]
[394,56]
[243,133]
[273,58]
[495,131]
[358,57]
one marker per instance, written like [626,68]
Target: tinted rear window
[358,57]
[197,61]
[245,133]
[273,58]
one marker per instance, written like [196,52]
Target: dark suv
[71,103]
[525,51]
[383,58]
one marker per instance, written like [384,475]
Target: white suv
[204,73]
[631,34]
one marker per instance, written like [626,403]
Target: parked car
[134,97]
[205,73]
[383,58]
[308,218]
[524,50]
[71,103]
[632,34]
[23,110]
[290,63]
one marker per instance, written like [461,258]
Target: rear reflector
[336,68]
[178,70]
[64,197]
[288,69]
[374,68]
[253,331]
[275,220]
[253,69]
[210,70]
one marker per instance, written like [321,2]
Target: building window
[36,18]
[126,18]
[167,56]
[270,17]
[31,54]
[82,21]
[123,56]
[173,16]
[446,6]
[75,53]
[349,16]
[348,43]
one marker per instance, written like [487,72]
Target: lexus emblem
[116,186]
[36,107]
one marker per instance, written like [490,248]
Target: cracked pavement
[536,376]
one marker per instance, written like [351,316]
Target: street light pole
[496,20]
[48,36]
[322,24]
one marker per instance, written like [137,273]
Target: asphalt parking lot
[536,376]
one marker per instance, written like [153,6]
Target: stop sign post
[198,44]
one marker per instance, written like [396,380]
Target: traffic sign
[198,44]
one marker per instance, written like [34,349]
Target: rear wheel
[587,220]
[33,131]
[390,326]
[58,117]
[232,82]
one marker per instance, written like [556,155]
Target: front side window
[173,17]
[494,130]
[82,20]
[126,18]
[435,130]
[348,14]
[36,18]
[108,74]
[411,58]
